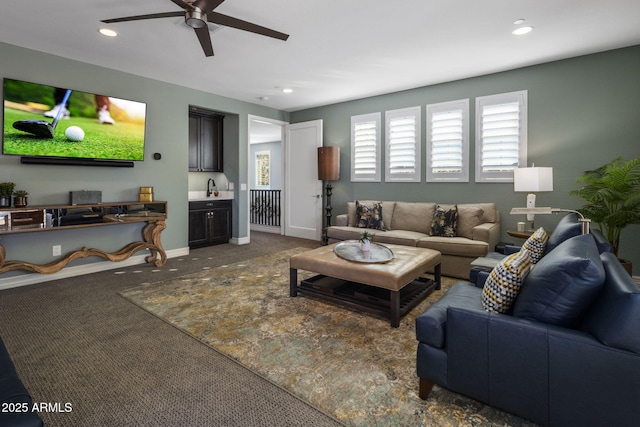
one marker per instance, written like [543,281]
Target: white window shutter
[448,141]
[403,140]
[365,147]
[501,136]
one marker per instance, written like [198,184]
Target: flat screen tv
[47,124]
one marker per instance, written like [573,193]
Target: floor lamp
[328,170]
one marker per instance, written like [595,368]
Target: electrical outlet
[57,250]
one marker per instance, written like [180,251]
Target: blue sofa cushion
[431,325]
[567,227]
[614,317]
[563,284]
[504,282]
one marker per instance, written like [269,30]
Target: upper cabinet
[205,140]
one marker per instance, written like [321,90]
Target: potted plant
[20,198]
[365,241]
[612,193]
[6,190]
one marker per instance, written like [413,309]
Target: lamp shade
[328,163]
[533,179]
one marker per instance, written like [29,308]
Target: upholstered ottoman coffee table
[390,288]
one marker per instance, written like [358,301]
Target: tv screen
[50,122]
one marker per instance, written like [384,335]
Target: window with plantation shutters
[501,136]
[402,144]
[448,141]
[365,148]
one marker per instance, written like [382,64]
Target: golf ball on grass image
[74,133]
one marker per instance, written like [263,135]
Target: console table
[37,219]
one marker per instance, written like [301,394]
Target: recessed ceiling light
[518,21]
[522,30]
[287,90]
[108,32]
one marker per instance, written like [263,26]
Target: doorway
[266,174]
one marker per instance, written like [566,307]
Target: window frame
[416,175]
[463,175]
[492,100]
[258,186]
[377,174]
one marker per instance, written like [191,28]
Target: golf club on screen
[42,128]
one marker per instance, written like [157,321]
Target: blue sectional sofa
[15,401]
[567,353]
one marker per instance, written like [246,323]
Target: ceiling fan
[196,15]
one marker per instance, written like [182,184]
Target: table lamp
[532,180]
[328,170]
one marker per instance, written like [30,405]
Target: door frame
[283,136]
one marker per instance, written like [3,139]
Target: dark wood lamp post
[328,170]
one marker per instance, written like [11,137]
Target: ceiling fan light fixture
[522,30]
[195,18]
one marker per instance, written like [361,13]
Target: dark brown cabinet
[205,141]
[209,222]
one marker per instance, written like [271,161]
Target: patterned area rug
[352,365]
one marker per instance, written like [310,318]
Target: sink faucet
[209,189]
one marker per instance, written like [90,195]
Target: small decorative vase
[365,245]
[19,201]
[5,201]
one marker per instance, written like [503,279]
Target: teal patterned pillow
[369,216]
[536,244]
[445,221]
[504,283]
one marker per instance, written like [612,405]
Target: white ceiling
[337,50]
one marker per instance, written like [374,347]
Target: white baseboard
[78,270]
[239,241]
[266,229]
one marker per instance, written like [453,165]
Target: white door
[303,190]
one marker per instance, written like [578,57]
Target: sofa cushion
[563,284]
[431,325]
[413,216]
[397,237]
[567,227]
[536,244]
[504,282]
[615,314]
[459,246]
[387,211]
[369,215]
[469,217]
[445,221]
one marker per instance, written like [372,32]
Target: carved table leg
[151,234]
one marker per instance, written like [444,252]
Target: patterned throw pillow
[445,221]
[369,216]
[504,283]
[536,244]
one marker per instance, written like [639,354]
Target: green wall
[167,133]
[583,112]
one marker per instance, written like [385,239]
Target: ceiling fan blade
[141,17]
[205,40]
[228,21]
[185,6]
[207,5]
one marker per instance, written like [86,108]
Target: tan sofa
[409,223]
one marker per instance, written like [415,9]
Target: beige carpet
[354,366]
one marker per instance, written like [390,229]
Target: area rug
[352,365]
